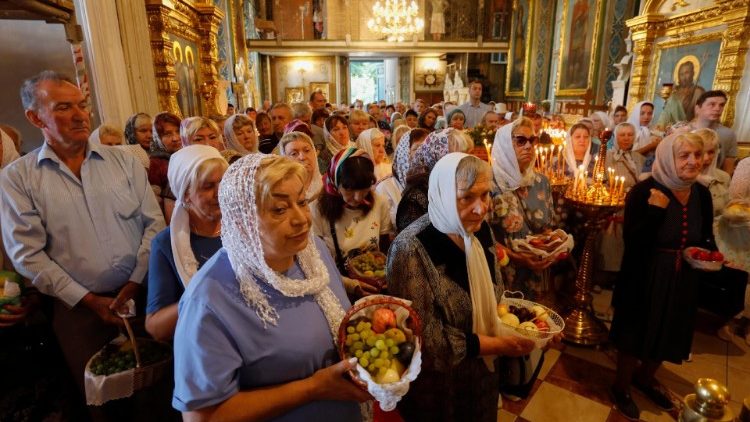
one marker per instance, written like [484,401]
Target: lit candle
[488,148]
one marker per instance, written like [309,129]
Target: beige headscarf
[505,168]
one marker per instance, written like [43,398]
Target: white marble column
[107,69]
[139,60]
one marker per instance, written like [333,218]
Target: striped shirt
[474,114]
[73,236]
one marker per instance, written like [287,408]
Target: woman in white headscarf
[300,147]
[628,164]
[522,203]
[445,263]
[193,235]
[712,177]
[645,141]
[240,135]
[372,141]
[656,293]
[600,121]
[579,150]
[256,337]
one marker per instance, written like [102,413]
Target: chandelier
[395,20]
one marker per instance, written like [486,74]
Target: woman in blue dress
[256,334]
[522,204]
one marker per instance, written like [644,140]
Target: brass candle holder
[596,199]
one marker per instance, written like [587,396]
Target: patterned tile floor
[574,381]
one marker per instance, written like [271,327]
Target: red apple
[563,256]
[717,256]
[541,325]
[383,319]
[695,253]
[704,256]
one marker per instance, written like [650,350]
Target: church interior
[561,60]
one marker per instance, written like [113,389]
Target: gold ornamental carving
[197,23]
[727,20]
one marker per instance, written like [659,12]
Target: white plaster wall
[27,48]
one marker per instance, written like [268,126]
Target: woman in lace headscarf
[193,235]
[414,197]
[445,263]
[256,336]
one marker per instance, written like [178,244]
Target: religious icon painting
[581,31]
[688,64]
[518,57]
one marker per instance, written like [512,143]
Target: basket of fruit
[527,319]
[544,245]
[124,366]
[384,334]
[703,259]
[368,267]
[11,290]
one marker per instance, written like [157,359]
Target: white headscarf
[642,133]
[364,140]
[444,216]
[182,167]
[505,168]
[332,145]
[664,170]
[606,121]
[316,181]
[570,157]
[618,153]
[231,138]
[240,237]
[9,150]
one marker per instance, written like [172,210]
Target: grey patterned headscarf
[132,124]
[240,236]
[401,159]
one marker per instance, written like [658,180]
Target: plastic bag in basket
[527,319]
[389,356]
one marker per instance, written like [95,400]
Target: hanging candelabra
[396,20]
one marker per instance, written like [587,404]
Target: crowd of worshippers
[232,235]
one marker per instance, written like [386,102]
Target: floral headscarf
[401,159]
[132,124]
[435,147]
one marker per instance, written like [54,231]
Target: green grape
[364,362]
[384,354]
[349,341]
[374,352]
[389,342]
[364,335]
[358,345]
[371,368]
[394,350]
[379,362]
[370,341]
[381,337]
[358,353]
[360,326]
[366,354]
[355,337]
[380,344]
[368,325]
[350,329]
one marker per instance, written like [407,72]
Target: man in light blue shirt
[78,219]
[474,109]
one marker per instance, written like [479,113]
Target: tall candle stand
[596,199]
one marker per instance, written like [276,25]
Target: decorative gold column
[210,18]
[644,30]
[733,52]
[161,50]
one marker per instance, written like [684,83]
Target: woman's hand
[513,346]
[530,261]
[330,384]
[658,199]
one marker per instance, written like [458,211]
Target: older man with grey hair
[304,112]
[78,219]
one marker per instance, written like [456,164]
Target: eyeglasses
[522,140]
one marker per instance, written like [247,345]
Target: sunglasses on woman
[522,140]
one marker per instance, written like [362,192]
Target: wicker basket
[408,320]
[378,282]
[103,388]
[540,338]
[698,264]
